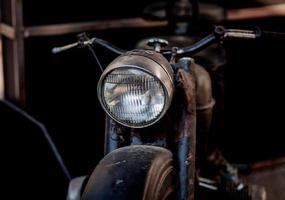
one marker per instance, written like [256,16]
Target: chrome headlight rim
[157,70]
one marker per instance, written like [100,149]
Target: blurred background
[60,90]
[1,74]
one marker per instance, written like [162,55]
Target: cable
[109,46]
[46,135]
[96,58]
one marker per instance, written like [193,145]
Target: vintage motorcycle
[157,101]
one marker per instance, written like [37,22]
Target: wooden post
[13,51]
[18,82]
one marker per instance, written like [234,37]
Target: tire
[136,172]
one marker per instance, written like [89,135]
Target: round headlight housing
[136,88]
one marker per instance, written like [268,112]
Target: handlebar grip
[56,50]
[272,35]
[242,34]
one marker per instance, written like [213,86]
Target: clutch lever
[220,34]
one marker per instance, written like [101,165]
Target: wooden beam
[268,164]
[7,31]
[277,10]
[60,29]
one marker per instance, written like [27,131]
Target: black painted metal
[186,133]
[111,136]
[135,137]
[183,167]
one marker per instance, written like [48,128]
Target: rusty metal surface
[114,135]
[204,109]
[187,128]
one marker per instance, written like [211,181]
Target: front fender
[122,174]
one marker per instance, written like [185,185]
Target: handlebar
[89,42]
[219,34]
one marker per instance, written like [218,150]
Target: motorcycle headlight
[136,88]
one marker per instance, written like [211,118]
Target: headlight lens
[135,90]
[133,96]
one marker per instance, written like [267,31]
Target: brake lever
[56,50]
[84,41]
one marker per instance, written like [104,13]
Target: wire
[96,58]
[109,46]
[46,135]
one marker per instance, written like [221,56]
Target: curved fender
[122,173]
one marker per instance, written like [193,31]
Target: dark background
[61,92]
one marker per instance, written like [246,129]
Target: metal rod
[195,48]
[206,180]
[186,133]
[211,187]
[111,136]
[88,43]
[45,133]
[198,46]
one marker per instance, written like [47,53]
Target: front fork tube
[185,168]
[113,135]
[186,133]
[185,156]
[117,136]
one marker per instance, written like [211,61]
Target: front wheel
[136,172]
